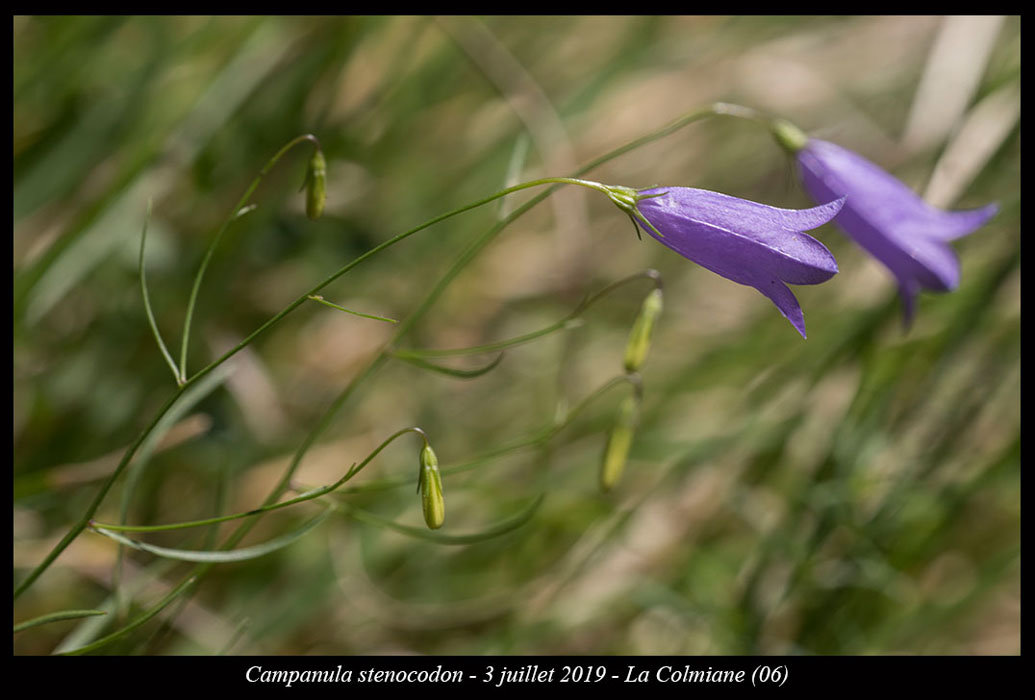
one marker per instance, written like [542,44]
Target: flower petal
[785,301]
[956,224]
[739,239]
[868,187]
[934,264]
[751,218]
[888,219]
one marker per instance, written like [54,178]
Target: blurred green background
[855,493]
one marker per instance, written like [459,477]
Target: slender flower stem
[716,109]
[387,244]
[650,273]
[565,322]
[416,354]
[234,214]
[307,496]
[547,434]
[539,438]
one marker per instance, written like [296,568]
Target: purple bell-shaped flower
[747,242]
[886,218]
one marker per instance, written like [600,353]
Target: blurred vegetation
[855,493]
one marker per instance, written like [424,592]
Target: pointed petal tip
[799,325]
[988,211]
[814,217]
[834,204]
[834,207]
[980,215]
[956,224]
[786,303]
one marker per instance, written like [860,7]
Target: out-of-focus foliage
[857,492]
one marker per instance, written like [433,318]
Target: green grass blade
[458,373]
[220,557]
[147,300]
[374,317]
[442,538]
[56,617]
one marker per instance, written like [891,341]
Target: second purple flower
[885,217]
[754,244]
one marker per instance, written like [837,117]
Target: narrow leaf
[458,373]
[438,537]
[219,557]
[57,617]
[517,162]
[417,353]
[147,301]
[375,317]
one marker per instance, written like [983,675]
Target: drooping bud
[316,185]
[790,137]
[639,337]
[619,441]
[431,489]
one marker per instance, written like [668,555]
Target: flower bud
[639,337]
[619,442]
[790,137]
[316,185]
[431,489]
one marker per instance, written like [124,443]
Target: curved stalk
[307,496]
[182,376]
[568,321]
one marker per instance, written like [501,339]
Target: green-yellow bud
[639,337]
[789,136]
[431,489]
[316,185]
[619,441]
